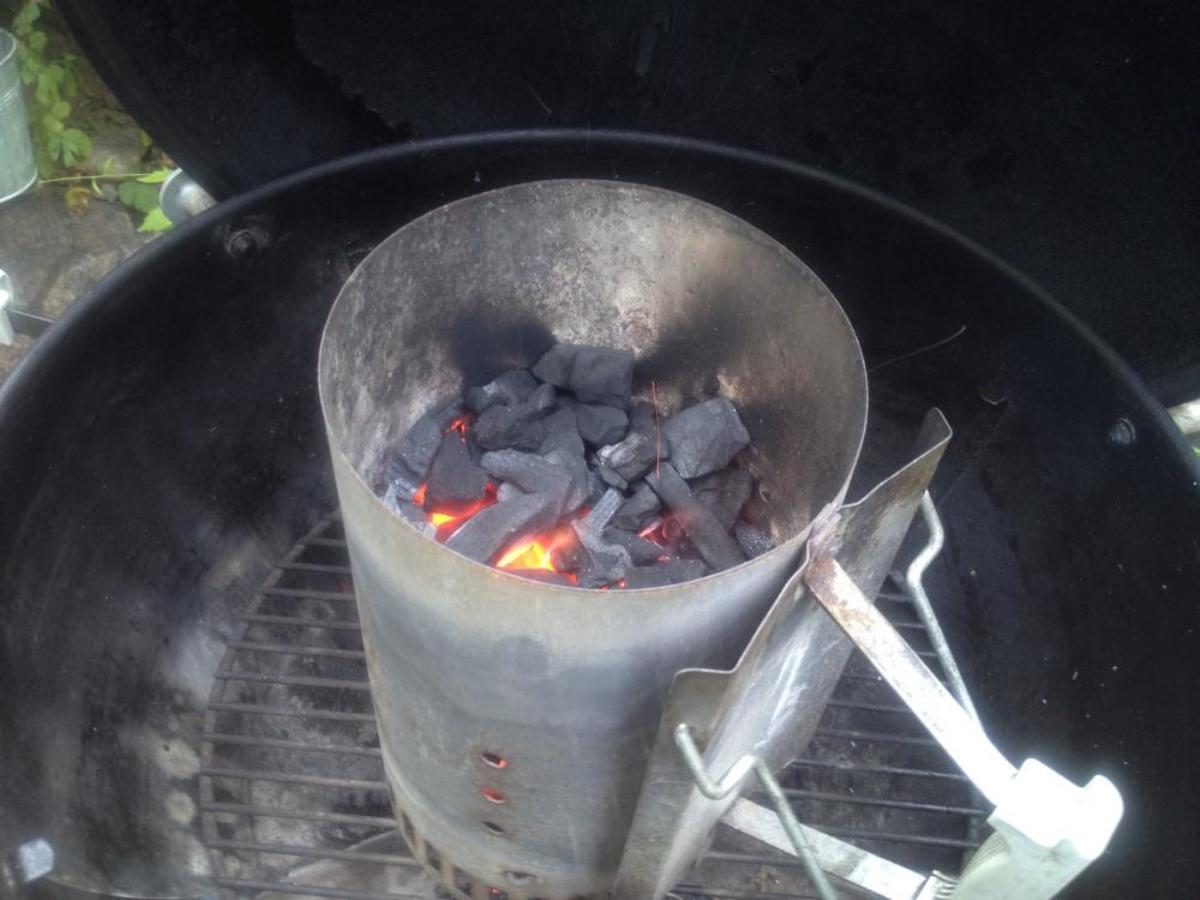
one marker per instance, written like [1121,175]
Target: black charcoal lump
[561,432]
[636,512]
[724,493]
[533,474]
[601,425]
[483,535]
[673,571]
[595,374]
[509,389]
[631,458]
[712,542]
[503,427]
[423,439]
[705,437]
[454,481]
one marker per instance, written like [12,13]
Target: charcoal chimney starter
[516,717]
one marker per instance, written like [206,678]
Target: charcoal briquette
[601,425]
[509,389]
[519,427]
[400,479]
[454,480]
[561,432]
[711,541]
[507,490]
[631,458]
[487,532]
[576,466]
[609,477]
[422,440]
[532,473]
[641,551]
[544,398]
[410,512]
[595,374]
[705,437]
[753,541]
[636,512]
[672,571]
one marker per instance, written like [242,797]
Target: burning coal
[558,474]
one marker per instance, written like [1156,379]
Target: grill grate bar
[352,684]
[308,890]
[296,650]
[860,768]
[243,740]
[307,593]
[230,758]
[884,802]
[316,567]
[253,709]
[306,815]
[892,837]
[301,622]
[383,859]
[352,784]
[876,737]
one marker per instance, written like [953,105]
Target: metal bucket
[17,169]
[516,718]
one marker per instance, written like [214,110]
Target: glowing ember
[535,552]
[419,496]
[459,425]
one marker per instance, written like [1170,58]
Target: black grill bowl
[162,447]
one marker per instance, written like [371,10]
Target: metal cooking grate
[294,803]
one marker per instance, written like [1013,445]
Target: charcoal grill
[286,715]
[162,451]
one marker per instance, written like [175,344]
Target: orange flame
[536,552]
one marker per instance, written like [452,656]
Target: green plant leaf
[77,142]
[61,109]
[156,220]
[37,40]
[156,177]
[51,124]
[26,16]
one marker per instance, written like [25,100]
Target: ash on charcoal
[609,476]
[483,535]
[454,480]
[711,541]
[753,541]
[602,563]
[641,551]
[423,439]
[705,437]
[631,458]
[577,468]
[519,427]
[672,571]
[544,398]
[561,431]
[533,474]
[595,374]
[410,512]
[601,425]
[507,491]
[399,479]
[724,493]
[636,512]
[596,488]
[509,389]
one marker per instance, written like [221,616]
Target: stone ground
[54,257]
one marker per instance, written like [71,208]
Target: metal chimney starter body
[515,717]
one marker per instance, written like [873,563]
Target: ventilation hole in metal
[491,795]
[462,881]
[495,760]
[493,828]
[433,857]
